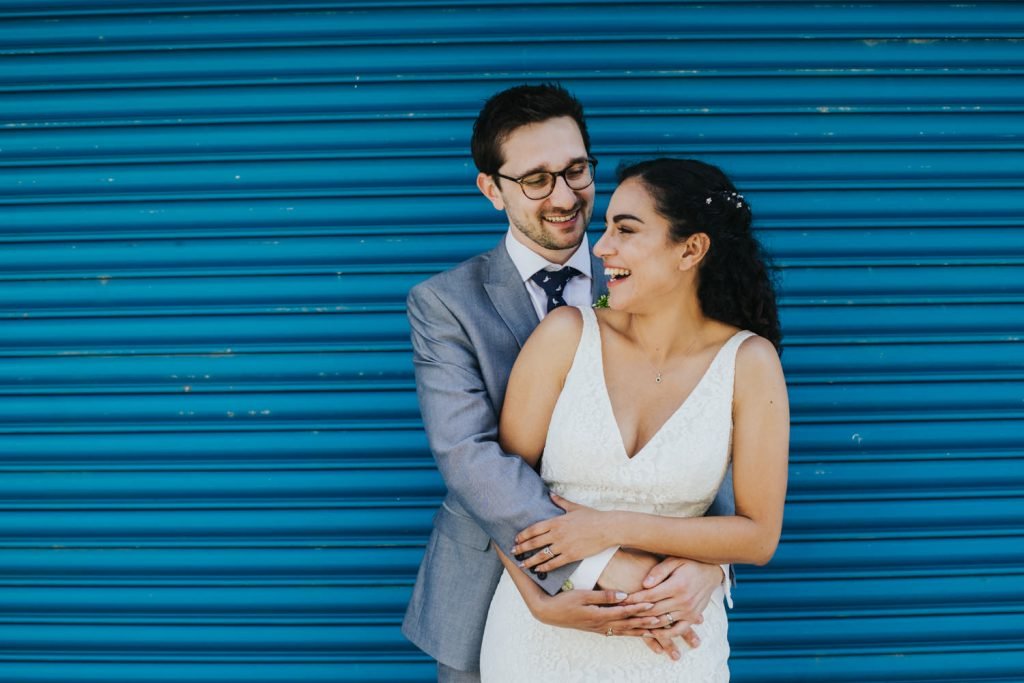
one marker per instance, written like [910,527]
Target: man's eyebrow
[625,217]
[543,169]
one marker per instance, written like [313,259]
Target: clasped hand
[579,533]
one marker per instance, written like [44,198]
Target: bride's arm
[760,455]
[535,383]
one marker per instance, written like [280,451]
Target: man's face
[553,226]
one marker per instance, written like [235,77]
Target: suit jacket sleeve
[501,491]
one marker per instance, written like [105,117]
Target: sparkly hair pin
[729,197]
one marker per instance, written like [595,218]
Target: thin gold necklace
[647,356]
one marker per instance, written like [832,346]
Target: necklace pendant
[658,378]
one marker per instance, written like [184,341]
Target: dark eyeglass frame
[590,161]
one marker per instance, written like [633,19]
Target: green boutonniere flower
[602,301]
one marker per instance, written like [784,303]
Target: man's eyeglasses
[541,184]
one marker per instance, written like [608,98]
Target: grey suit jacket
[468,325]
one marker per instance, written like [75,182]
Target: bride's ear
[695,248]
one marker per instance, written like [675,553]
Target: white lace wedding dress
[676,473]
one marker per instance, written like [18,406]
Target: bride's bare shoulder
[553,344]
[561,322]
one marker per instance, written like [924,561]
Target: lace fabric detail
[677,473]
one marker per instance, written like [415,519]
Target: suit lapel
[598,282]
[509,296]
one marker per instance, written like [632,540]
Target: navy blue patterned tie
[553,283]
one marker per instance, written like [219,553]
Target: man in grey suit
[531,146]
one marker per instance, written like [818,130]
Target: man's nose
[563,196]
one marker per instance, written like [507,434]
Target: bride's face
[644,265]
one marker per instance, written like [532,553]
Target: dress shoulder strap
[727,355]
[588,352]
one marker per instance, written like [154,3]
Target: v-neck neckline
[679,409]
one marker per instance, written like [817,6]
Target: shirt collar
[528,262]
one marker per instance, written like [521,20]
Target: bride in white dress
[638,411]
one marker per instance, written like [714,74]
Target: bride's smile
[647,270]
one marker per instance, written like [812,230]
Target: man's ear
[695,248]
[485,183]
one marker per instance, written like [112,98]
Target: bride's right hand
[626,572]
[597,611]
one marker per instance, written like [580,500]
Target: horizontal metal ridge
[125,158]
[796,207]
[376,74]
[184,409]
[391,615]
[518,22]
[798,170]
[391,250]
[126,312]
[351,487]
[129,201]
[611,129]
[822,446]
[487,22]
[400,668]
[316,369]
[338,291]
[821,93]
[363,524]
[122,227]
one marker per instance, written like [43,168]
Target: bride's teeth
[616,272]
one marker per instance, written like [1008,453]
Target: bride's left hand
[580,532]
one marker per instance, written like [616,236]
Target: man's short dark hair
[515,107]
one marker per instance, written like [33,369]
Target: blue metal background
[211,461]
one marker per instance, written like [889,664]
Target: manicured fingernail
[648,634]
[648,582]
[653,621]
[621,596]
[646,606]
[675,655]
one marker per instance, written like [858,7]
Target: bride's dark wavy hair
[735,283]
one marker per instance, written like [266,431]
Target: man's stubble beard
[535,231]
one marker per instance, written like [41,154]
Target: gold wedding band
[609,631]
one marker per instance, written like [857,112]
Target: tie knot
[553,283]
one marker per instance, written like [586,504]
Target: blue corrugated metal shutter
[212,462]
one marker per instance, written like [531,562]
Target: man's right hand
[597,611]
